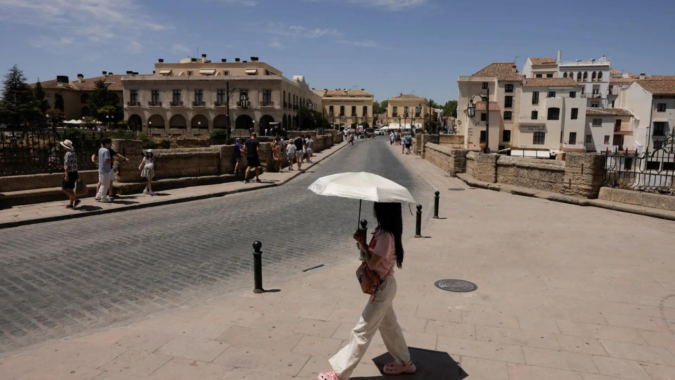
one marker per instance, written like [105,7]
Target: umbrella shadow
[431,365]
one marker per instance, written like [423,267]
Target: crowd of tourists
[402,139]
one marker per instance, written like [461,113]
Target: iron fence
[652,171]
[39,151]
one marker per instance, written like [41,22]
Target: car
[379,132]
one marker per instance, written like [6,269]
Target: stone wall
[544,175]
[452,161]
[452,141]
[41,181]
[638,198]
[176,163]
[584,174]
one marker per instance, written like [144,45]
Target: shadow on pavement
[431,365]
[87,208]
[122,202]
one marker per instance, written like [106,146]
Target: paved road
[65,277]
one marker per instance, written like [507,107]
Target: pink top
[382,244]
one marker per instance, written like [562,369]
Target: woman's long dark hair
[390,219]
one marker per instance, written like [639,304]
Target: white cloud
[134,47]
[181,49]
[392,5]
[277,45]
[281,29]
[363,43]
[246,3]
[46,42]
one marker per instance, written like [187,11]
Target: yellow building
[407,111]
[76,93]
[343,108]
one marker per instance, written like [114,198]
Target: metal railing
[652,171]
[34,152]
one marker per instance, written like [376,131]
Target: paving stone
[324,329]
[118,376]
[627,369]
[439,313]
[534,323]
[249,374]
[313,345]
[481,350]
[648,354]
[568,361]
[61,372]
[637,322]
[659,372]
[581,345]
[481,369]
[619,334]
[527,372]
[188,347]
[147,340]
[136,363]
[272,339]
[450,329]
[284,362]
[182,369]
[478,317]
[517,337]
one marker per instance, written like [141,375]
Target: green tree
[103,102]
[306,119]
[58,101]
[450,108]
[384,105]
[41,97]
[18,106]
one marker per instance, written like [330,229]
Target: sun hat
[237,139]
[149,150]
[67,144]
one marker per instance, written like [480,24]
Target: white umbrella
[362,186]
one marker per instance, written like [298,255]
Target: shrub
[174,145]
[164,144]
[219,134]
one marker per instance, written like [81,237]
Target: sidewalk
[564,293]
[53,211]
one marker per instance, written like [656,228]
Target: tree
[306,119]
[18,106]
[40,97]
[384,105]
[103,102]
[58,101]
[379,108]
[55,116]
[450,108]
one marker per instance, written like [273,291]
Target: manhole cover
[455,189]
[457,286]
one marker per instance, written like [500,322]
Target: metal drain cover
[455,189]
[457,286]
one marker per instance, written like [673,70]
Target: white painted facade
[645,107]
[603,133]
[593,75]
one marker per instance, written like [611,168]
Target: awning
[251,71]
[207,72]
[164,72]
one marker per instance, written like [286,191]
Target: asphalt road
[66,277]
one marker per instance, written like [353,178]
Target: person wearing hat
[70,177]
[147,168]
[237,155]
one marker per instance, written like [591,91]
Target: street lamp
[150,127]
[471,112]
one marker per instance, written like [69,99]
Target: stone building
[76,93]
[407,111]
[345,107]
[189,98]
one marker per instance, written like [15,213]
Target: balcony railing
[220,104]
[154,104]
[133,104]
[394,114]
[176,104]
[597,95]
[268,104]
[199,104]
[285,105]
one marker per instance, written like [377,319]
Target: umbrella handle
[359,219]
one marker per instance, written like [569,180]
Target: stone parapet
[544,175]
[486,167]
[638,198]
[452,161]
[452,141]
[584,174]
[133,150]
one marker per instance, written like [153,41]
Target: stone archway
[135,122]
[265,124]
[155,122]
[244,122]
[178,121]
[200,122]
[220,122]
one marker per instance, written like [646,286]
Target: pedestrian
[299,150]
[70,173]
[147,168]
[237,155]
[104,170]
[350,139]
[252,150]
[384,251]
[276,155]
[408,142]
[113,154]
[392,138]
[290,153]
[310,148]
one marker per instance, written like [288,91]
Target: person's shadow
[431,365]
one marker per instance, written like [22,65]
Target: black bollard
[418,226]
[364,228]
[437,201]
[257,268]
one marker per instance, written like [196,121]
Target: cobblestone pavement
[66,277]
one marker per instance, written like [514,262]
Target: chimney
[363,90]
[237,60]
[559,55]
[110,73]
[80,78]
[203,58]
[254,59]
[105,73]
[130,72]
[514,69]
[245,62]
[223,60]
[161,60]
[153,72]
[62,79]
[643,76]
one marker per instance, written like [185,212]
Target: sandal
[397,369]
[329,376]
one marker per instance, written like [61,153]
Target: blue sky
[384,46]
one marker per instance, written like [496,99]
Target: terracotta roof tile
[595,111]
[662,77]
[407,96]
[621,80]
[658,87]
[347,93]
[614,73]
[501,71]
[550,82]
[543,61]
[87,84]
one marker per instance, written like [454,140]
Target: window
[579,77]
[507,115]
[659,128]
[617,125]
[595,105]
[535,115]
[485,85]
[600,75]
[661,107]
[658,144]
[508,101]
[539,138]
[575,113]
[267,97]
[597,122]
[585,76]
[573,94]
[538,75]
[565,75]
[551,94]
[353,110]
[418,111]
[573,138]
[405,111]
[133,94]
[84,98]
[285,99]
[330,111]
[221,97]
[482,137]
[593,76]
[549,75]
[176,97]
[365,111]
[606,139]
[589,139]
[583,90]
[554,113]
[342,110]
[395,111]
[199,96]
[612,103]
[596,90]
[535,97]
[508,88]
[628,163]
[654,165]
[483,116]
[155,97]
[506,136]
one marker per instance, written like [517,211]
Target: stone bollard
[257,268]
[437,201]
[418,225]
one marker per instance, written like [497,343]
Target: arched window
[600,75]
[585,75]
[565,75]
[84,98]
[594,76]
[579,76]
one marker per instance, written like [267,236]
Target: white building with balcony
[593,75]
[609,129]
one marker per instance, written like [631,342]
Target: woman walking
[276,154]
[148,170]
[385,250]
[310,148]
[70,175]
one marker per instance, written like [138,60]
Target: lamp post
[471,111]
[150,127]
